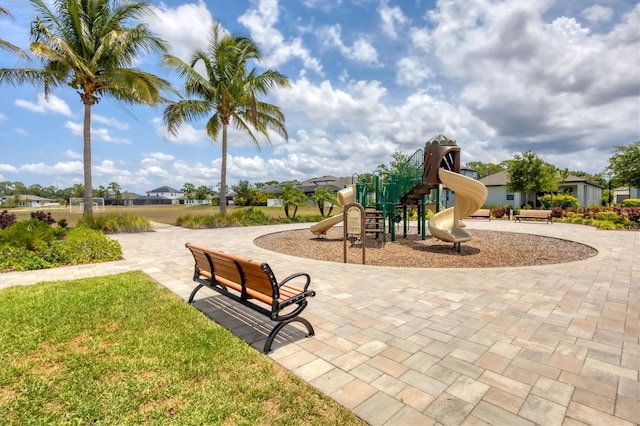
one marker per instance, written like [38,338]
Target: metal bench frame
[229,275]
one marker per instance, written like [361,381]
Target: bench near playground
[253,284]
[535,214]
[481,213]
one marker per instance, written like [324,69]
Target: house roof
[29,197]
[163,189]
[501,179]
[310,185]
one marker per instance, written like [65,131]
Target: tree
[5,45]
[90,46]
[244,193]
[292,197]
[624,164]
[189,190]
[486,169]
[228,91]
[203,192]
[323,195]
[528,172]
[115,190]
[398,159]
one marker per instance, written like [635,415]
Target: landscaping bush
[499,212]
[631,202]
[84,245]
[115,223]
[244,217]
[7,219]
[33,244]
[32,235]
[43,217]
[561,200]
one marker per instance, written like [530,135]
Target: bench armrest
[297,275]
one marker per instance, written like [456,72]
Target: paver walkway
[554,344]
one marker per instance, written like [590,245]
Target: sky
[368,78]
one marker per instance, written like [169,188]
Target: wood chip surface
[487,249]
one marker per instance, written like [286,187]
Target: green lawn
[122,349]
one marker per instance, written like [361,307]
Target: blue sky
[560,78]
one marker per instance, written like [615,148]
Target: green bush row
[245,217]
[36,244]
[116,223]
[32,244]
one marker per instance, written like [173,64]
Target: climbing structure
[416,183]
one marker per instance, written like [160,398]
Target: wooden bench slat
[254,285]
[534,214]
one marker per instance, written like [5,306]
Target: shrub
[561,200]
[20,259]
[84,245]
[116,223]
[7,219]
[62,223]
[610,216]
[631,202]
[43,217]
[30,234]
[498,212]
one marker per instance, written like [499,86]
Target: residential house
[308,186]
[27,200]
[587,192]
[165,191]
[624,192]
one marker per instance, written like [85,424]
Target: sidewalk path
[553,344]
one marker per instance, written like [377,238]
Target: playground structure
[388,198]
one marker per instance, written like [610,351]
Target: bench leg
[193,293]
[280,326]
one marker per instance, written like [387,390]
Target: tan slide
[345,196]
[470,195]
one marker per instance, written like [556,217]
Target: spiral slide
[345,196]
[470,195]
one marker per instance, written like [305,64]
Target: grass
[121,349]
[161,213]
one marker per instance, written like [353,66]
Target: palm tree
[292,197]
[323,195]
[90,45]
[5,45]
[226,93]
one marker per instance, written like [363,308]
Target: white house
[165,191]
[26,200]
[587,193]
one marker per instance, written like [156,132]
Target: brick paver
[549,344]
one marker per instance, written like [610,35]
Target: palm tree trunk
[223,172]
[88,188]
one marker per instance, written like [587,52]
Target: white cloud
[186,135]
[99,134]
[361,51]
[186,27]
[109,121]
[391,18]
[3,117]
[412,71]
[8,168]
[276,49]
[73,154]
[598,13]
[43,105]
[59,168]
